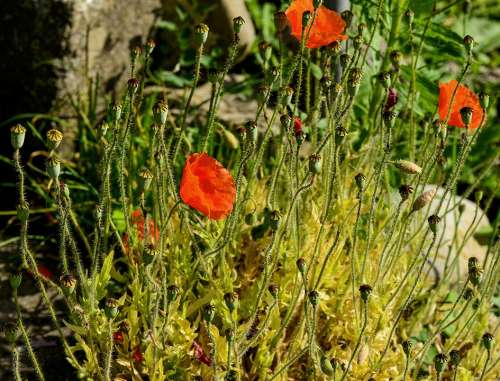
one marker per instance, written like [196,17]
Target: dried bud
[313,297]
[360,181]
[423,200]
[274,219]
[345,59]
[231,298]
[133,86]
[15,280]
[208,313]
[410,15]
[134,54]
[273,290]
[149,47]
[111,308]
[160,112]
[396,58]
[340,134]
[68,282]
[286,95]
[53,166]
[23,211]
[408,167]
[433,222]
[469,43]
[487,341]
[347,16]
[484,100]
[238,23]
[262,93]
[440,361]
[54,138]
[355,75]
[365,290]
[280,21]
[455,357]
[172,292]
[17,135]
[405,191]
[252,131]
[358,41]
[466,114]
[315,164]
[301,265]
[326,366]
[201,33]
[468,293]
[146,177]
[11,332]
[407,347]
[333,48]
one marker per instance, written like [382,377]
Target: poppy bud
[360,181]
[172,292]
[466,114]
[468,293]
[326,366]
[484,100]
[385,79]
[347,15]
[469,43]
[11,332]
[111,308]
[231,375]
[23,211]
[201,33]
[274,219]
[340,134]
[396,58]
[474,271]
[250,219]
[423,200]
[262,92]
[301,265]
[478,195]
[313,297]
[118,337]
[410,15]
[15,280]
[17,135]
[365,290]
[238,23]
[135,53]
[306,16]
[229,335]
[275,73]
[160,112]
[408,167]
[362,27]
[487,341]
[266,50]
[286,95]
[148,255]
[407,347]
[440,361]
[231,298]
[252,131]
[405,191]
[149,47]
[358,41]
[280,21]
[146,177]
[326,81]
[455,357]
[433,222]
[314,164]
[53,166]
[389,118]
[337,90]
[208,313]
[355,75]
[345,59]
[333,48]
[116,112]
[54,138]
[68,282]
[273,290]
[133,85]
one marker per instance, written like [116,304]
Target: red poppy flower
[44,272]
[297,125]
[137,220]
[464,97]
[392,99]
[137,355]
[327,27]
[207,186]
[200,354]
[118,337]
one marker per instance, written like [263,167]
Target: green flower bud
[266,50]
[250,219]
[274,220]
[396,58]
[389,118]
[146,177]
[15,280]
[160,112]
[231,299]
[301,265]
[314,164]
[347,16]
[238,23]
[252,131]
[306,17]
[326,366]
[484,100]
[54,138]
[340,134]
[466,114]
[487,341]
[385,79]
[354,80]
[345,59]
[53,166]
[433,222]
[201,34]
[469,44]
[440,362]
[478,195]
[68,282]
[133,85]
[11,332]
[410,15]
[111,308]
[313,297]
[455,357]
[358,41]
[273,290]
[23,211]
[360,181]
[172,292]
[286,96]
[407,347]
[17,135]
[149,47]
[208,313]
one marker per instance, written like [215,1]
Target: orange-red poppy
[137,220]
[207,186]
[464,97]
[328,26]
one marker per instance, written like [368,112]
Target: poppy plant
[327,27]
[464,97]
[138,221]
[207,186]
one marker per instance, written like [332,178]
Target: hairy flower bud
[469,44]
[238,23]
[301,265]
[433,222]
[345,59]
[172,292]
[354,80]
[484,100]
[252,131]
[11,332]
[365,290]
[53,166]
[15,280]
[111,308]
[440,361]
[160,112]
[313,297]
[146,177]
[396,58]
[408,167]
[133,86]
[208,313]
[385,79]
[231,298]
[68,282]
[54,138]
[201,33]
[315,164]
[273,290]
[149,47]
[17,135]
[23,211]
[410,15]
[360,181]
[274,220]
[423,200]
[347,15]
[487,341]
[405,191]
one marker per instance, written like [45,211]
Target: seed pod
[15,280]
[315,164]
[280,21]
[347,15]
[306,17]
[358,41]
[273,290]
[54,138]
[333,48]
[286,95]
[360,181]
[423,200]
[484,100]
[301,265]
[487,341]
[408,167]
[160,112]
[469,44]
[405,191]
[111,308]
[326,366]
[11,332]
[365,290]
[23,211]
[396,58]
[201,33]
[440,361]
[466,114]
[266,50]
[455,357]
[231,298]
[68,282]
[433,222]
[384,78]
[149,47]
[345,59]
[354,80]
[252,131]
[208,313]
[17,135]
[238,23]
[410,15]
[407,347]
[53,166]
[250,219]
[274,220]
[146,177]
[172,292]
[133,85]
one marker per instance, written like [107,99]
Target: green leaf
[443,41]
[173,79]
[167,25]
[118,219]
[316,71]
[104,276]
